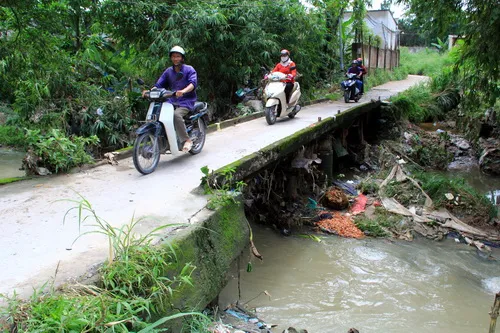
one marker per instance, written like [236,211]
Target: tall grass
[437,185]
[136,286]
[427,62]
[381,76]
[416,103]
[432,100]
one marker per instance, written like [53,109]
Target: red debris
[359,205]
[340,225]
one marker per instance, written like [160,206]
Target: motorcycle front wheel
[146,153]
[198,136]
[271,114]
[347,96]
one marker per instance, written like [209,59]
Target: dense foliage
[73,64]
[432,100]
[478,22]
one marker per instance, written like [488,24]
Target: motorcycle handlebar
[165,93]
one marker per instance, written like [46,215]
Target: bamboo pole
[494,313]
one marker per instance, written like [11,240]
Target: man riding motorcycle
[182,79]
[288,67]
[354,69]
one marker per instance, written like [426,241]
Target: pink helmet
[285,52]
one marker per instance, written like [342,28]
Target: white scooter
[275,98]
[158,136]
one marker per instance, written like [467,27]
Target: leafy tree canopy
[478,21]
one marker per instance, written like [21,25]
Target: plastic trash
[347,187]
[359,205]
[312,203]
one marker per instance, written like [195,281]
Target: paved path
[33,239]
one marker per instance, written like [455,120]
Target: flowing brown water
[374,285]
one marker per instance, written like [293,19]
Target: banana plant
[440,45]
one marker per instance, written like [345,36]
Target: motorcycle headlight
[154,94]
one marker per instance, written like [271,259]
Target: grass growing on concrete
[135,288]
[4,181]
[380,76]
[221,187]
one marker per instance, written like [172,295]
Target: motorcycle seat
[198,106]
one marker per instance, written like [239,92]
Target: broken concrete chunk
[43,171]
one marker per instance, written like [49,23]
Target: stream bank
[395,182]
[390,181]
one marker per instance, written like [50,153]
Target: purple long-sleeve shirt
[177,81]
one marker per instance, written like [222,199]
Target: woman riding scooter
[281,93]
[288,67]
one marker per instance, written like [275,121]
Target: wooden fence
[375,57]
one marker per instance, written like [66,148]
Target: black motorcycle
[351,91]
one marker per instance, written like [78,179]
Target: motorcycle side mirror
[263,70]
[140,82]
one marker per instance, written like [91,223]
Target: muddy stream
[374,285]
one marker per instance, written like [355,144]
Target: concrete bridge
[34,241]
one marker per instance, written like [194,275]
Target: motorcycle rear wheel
[200,130]
[146,153]
[271,114]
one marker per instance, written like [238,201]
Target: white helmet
[177,49]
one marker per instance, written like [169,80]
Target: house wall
[382,24]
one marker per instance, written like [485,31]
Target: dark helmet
[360,61]
[177,49]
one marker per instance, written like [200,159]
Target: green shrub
[11,136]
[379,226]
[105,115]
[437,185]
[57,152]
